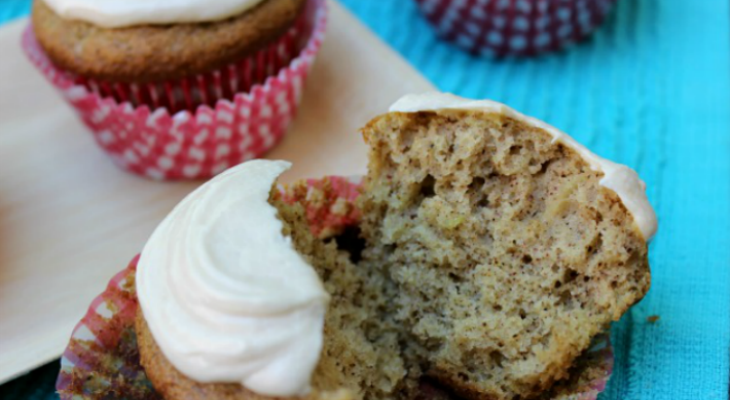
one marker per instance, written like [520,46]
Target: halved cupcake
[480,258]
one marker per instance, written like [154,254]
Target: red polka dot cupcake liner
[101,360]
[501,28]
[198,126]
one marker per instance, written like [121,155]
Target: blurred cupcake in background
[501,28]
[179,89]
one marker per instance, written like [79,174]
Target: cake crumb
[652,319]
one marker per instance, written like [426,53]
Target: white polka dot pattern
[514,27]
[162,145]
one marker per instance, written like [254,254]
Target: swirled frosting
[624,181]
[225,295]
[123,13]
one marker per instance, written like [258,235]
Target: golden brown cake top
[150,53]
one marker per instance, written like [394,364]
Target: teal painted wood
[36,385]
[11,9]
[650,89]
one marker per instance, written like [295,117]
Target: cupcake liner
[514,27]
[195,128]
[102,358]
[590,374]
[329,203]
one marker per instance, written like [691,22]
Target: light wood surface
[69,219]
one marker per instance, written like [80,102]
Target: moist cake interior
[487,259]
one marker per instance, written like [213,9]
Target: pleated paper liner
[196,127]
[102,359]
[501,28]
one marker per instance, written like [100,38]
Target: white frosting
[225,295]
[624,181]
[122,13]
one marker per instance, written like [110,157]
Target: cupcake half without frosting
[491,249]
[511,245]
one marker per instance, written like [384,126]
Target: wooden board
[69,219]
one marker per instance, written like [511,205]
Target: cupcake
[482,256]
[514,27]
[179,89]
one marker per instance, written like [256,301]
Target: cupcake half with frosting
[179,89]
[483,256]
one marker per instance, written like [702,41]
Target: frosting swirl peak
[225,294]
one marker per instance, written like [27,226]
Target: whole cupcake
[179,89]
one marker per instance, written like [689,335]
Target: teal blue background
[651,89]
